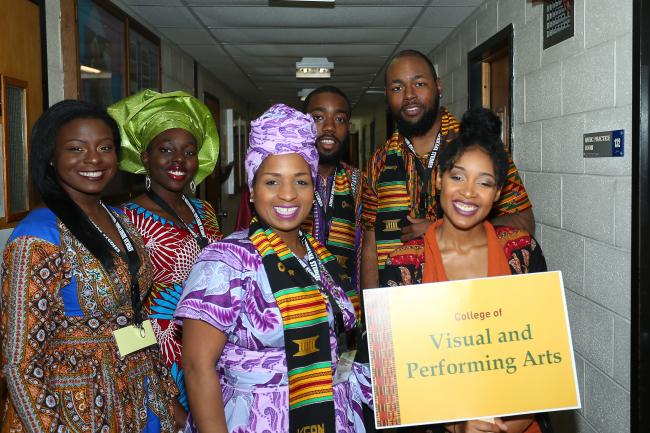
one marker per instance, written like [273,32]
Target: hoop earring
[147,183]
[192,187]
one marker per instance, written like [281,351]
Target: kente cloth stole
[394,201]
[303,308]
[335,226]
[398,192]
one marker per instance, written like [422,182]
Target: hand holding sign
[432,363]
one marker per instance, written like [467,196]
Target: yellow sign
[470,349]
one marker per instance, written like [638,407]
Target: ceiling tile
[167,16]
[227,2]
[444,16]
[182,36]
[431,36]
[300,51]
[153,2]
[306,17]
[309,36]
[290,61]
[205,52]
[381,2]
[474,3]
[259,72]
[291,78]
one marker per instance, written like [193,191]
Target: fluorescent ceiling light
[303,93]
[89,70]
[314,67]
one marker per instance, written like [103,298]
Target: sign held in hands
[470,349]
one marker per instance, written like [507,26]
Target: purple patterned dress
[228,288]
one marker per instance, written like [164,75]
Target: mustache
[412,104]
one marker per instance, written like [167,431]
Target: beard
[422,126]
[335,157]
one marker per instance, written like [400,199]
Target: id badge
[131,338]
[344,368]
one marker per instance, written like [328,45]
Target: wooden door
[20,62]
[490,79]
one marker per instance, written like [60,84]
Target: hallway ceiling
[253,47]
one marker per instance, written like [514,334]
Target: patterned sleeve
[211,222]
[369,192]
[514,197]
[212,293]
[33,271]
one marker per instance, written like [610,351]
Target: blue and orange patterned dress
[59,357]
[172,251]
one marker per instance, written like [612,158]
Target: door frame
[500,40]
[640,332]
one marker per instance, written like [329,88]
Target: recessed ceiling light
[314,67]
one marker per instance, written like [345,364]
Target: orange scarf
[434,269]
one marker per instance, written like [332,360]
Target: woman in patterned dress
[73,272]
[172,138]
[262,309]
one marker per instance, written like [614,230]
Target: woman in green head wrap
[172,139]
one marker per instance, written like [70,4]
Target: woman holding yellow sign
[463,244]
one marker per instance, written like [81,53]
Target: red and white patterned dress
[172,250]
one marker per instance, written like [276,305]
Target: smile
[286,212]
[412,110]
[94,175]
[466,209]
[327,142]
[177,174]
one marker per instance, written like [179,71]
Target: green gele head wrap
[141,117]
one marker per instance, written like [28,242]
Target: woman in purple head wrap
[264,312]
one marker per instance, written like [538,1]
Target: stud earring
[147,182]
[192,187]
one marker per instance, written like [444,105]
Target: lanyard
[202,240]
[131,257]
[323,233]
[311,267]
[329,192]
[424,173]
[126,240]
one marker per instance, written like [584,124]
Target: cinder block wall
[582,206]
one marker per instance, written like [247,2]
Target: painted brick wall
[582,206]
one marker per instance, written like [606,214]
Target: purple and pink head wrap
[281,130]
